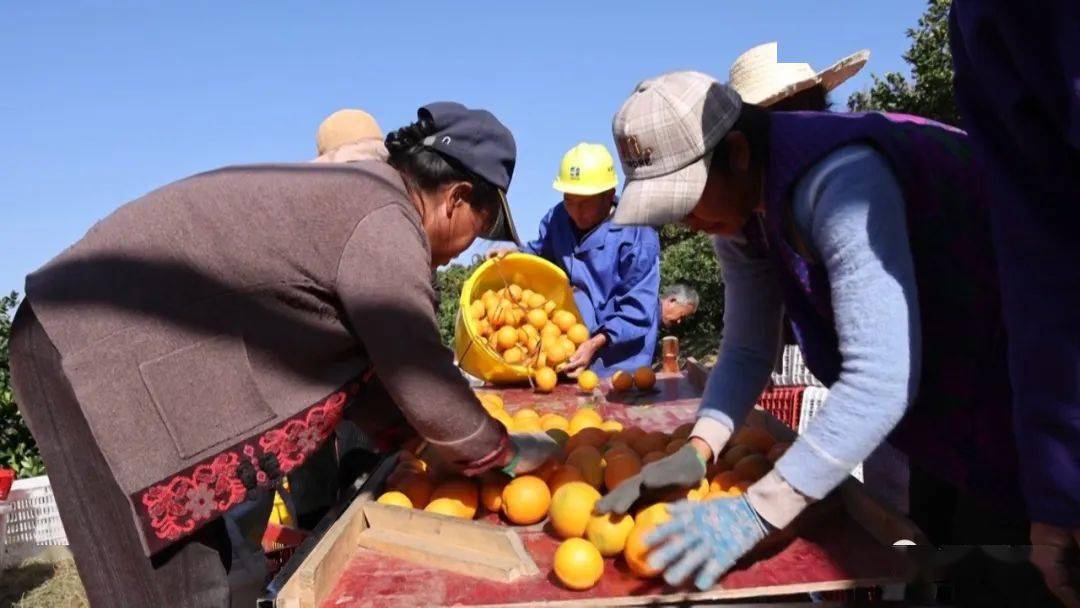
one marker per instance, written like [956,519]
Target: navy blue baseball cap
[481,144]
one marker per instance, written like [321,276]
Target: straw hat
[761,80]
[345,127]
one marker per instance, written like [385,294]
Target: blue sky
[102,102]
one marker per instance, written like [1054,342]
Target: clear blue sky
[101,102]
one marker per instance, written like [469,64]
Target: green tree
[687,257]
[929,93]
[17,448]
[448,282]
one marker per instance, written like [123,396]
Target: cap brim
[503,229]
[665,199]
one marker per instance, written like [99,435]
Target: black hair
[753,122]
[814,99]
[428,169]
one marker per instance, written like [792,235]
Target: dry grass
[49,581]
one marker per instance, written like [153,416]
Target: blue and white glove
[705,537]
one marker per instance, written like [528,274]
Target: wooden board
[843,543]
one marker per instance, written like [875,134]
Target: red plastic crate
[7,477]
[783,402]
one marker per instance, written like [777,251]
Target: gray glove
[684,469]
[530,451]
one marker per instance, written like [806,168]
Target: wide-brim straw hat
[762,80]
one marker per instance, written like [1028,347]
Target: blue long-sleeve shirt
[615,273]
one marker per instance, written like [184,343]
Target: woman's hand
[529,451]
[1056,553]
[499,252]
[583,356]
[705,538]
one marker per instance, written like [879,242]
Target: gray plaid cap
[665,133]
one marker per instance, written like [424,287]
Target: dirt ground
[46,581]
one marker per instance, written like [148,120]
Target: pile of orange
[599,455]
[525,327]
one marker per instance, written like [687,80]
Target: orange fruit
[651,457]
[568,346]
[562,476]
[618,469]
[608,532]
[752,467]
[417,488]
[506,337]
[674,445]
[545,379]
[476,310]
[777,450]
[631,434]
[550,331]
[585,418]
[636,554]
[515,292]
[754,437]
[618,445]
[644,378]
[461,492]
[395,498]
[699,492]
[514,355]
[549,306]
[536,318]
[736,453]
[611,426]
[556,354]
[723,482]
[587,460]
[571,508]
[592,435]
[578,564]
[652,515]
[536,300]
[545,470]
[448,506]
[563,319]
[622,381]
[651,442]
[683,430]
[526,499]
[578,334]
[588,380]
[526,414]
[491,488]
[554,421]
[505,419]
[491,400]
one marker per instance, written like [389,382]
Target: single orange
[644,378]
[571,508]
[526,500]
[578,333]
[506,337]
[395,498]
[587,460]
[585,418]
[556,354]
[536,300]
[545,379]
[417,488]
[755,437]
[554,421]
[536,318]
[514,355]
[609,532]
[636,555]
[463,492]
[619,469]
[491,491]
[563,319]
[736,453]
[622,381]
[578,564]
[611,426]
[562,476]
[652,457]
[592,435]
[588,380]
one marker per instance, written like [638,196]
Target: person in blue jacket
[614,270]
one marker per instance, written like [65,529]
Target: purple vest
[960,424]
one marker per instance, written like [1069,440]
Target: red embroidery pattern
[176,507]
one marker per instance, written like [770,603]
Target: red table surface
[831,548]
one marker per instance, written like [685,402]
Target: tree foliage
[687,257]
[17,448]
[448,282]
[929,93]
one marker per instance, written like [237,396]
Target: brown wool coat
[199,324]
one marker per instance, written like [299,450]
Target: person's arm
[856,225]
[536,246]
[384,282]
[636,298]
[753,310]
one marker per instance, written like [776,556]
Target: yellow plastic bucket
[531,272]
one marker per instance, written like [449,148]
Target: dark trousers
[96,515]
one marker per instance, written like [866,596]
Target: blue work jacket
[615,273]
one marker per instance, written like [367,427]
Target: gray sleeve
[384,282]
[752,313]
[851,212]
